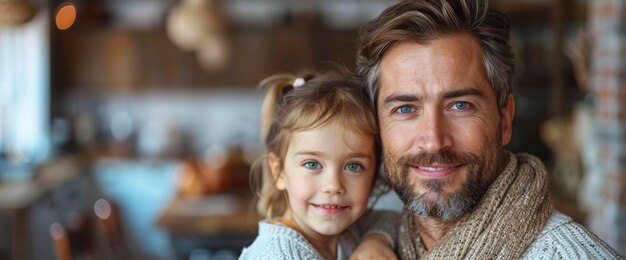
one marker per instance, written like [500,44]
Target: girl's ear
[277,173]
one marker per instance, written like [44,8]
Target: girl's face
[328,175]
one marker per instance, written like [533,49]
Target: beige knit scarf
[504,223]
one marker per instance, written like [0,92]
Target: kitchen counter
[20,194]
[210,215]
[213,223]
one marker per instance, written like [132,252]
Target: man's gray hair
[422,21]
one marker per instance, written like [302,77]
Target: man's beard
[434,201]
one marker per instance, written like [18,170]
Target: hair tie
[299,82]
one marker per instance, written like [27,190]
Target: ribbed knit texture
[278,242]
[564,239]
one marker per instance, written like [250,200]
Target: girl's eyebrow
[360,155]
[315,153]
[320,154]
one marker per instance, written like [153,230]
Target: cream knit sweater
[278,242]
[562,238]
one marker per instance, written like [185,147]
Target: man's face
[440,125]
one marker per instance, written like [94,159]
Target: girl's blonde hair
[330,97]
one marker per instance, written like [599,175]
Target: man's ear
[508,112]
[273,162]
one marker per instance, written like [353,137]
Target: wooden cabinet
[119,59]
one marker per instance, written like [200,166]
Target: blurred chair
[74,238]
[60,241]
[109,225]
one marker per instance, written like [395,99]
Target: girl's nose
[332,184]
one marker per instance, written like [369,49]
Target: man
[439,73]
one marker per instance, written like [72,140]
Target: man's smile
[436,171]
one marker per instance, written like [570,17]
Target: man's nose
[433,133]
[332,183]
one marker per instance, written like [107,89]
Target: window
[24,91]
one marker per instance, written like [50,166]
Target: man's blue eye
[311,165]
[405,109]
[461,105]
[354,167]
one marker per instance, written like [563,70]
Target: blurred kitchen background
[127,127]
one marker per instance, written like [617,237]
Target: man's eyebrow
[447,94]
[401,98]
[462,92]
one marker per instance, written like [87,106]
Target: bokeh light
[65,16]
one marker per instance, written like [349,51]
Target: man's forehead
[445,63]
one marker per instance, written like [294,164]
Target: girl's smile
[330,208]
[328,174]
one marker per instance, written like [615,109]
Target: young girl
[319,168]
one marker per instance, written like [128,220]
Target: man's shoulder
[562,238]
[278,242]
[557,220]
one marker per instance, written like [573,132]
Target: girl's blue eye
[354,167]
[461,105]
[311,165]
[405,109]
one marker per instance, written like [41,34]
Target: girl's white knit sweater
[278,242]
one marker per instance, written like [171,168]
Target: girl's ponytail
[276,86]
[270,199]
